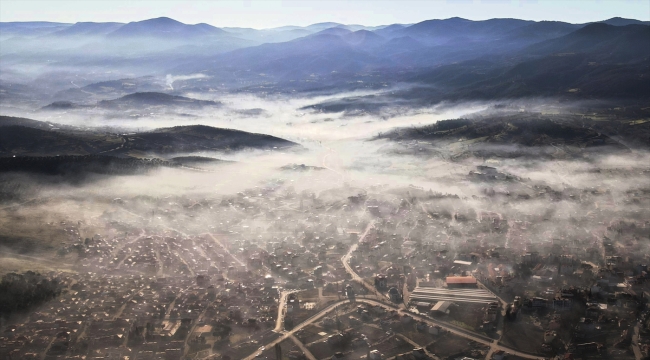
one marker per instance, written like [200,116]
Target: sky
[272,13]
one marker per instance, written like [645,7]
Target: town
[325,180]
[376,273]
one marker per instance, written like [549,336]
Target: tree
[22,292]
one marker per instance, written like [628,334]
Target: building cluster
[221,289]
[488,269]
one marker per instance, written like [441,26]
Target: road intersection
[289,334]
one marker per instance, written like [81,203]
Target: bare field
[21,263]
[41,228]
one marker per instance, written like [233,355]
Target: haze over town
[470,186]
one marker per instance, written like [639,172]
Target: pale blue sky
[272,13]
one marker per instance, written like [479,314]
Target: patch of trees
[451,124]
[528,129]
[221,328]
[80,164]
[523,270]
[20,293]
[154,99]
[199,138]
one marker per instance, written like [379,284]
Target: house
[360,342]
[335,339]
[561,304]
[549,336]
[375,355]
[419,353]
[585,324]
[538,302]
[381,281]
[421,326]
[441,307]
[492,311]
[593,311]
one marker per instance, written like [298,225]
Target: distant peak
[619,21]
[456,18]
[326,24]
[161,20]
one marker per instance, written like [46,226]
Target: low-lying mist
[342,159]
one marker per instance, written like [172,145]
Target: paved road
[218,242]
[281,306]
[416,345]
[493,344]
[346,263]
[635,342]
[186,348]
[302,347]
[300,326]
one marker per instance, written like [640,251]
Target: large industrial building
[434,295]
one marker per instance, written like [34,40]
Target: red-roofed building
[461,281]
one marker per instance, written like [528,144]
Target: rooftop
[461,280]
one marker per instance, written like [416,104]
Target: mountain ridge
[24,137]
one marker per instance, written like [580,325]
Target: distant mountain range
[88,29]
[145,99]
[445,59]
[164,26]
[138,100]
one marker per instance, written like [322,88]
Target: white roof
[441,306]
